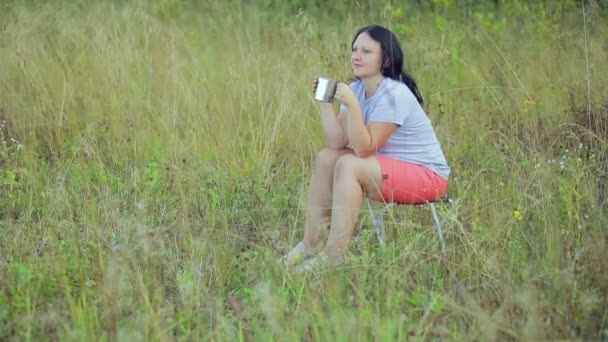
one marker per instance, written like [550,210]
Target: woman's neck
[372,84]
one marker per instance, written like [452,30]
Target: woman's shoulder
[399,89]
[396,86]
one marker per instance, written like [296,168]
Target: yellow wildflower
[518,216]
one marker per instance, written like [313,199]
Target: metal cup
[326,90]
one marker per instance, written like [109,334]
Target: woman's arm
[365,140]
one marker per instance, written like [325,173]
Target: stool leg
[438,228]
[381,229]
[378,222]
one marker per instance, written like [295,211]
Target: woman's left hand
[345,94]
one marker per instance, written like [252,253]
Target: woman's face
[366,58]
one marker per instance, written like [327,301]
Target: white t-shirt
[414,140]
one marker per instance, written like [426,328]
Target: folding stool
[378,218]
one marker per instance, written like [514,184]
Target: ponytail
[410,83]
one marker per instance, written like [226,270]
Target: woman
[381,145]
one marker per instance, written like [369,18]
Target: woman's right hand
[315,83]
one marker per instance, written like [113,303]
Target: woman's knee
[327,158]
[346,167]
[366,172]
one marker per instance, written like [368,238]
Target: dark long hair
[392,57]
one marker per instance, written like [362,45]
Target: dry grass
[164,154]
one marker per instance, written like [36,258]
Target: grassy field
[155,159]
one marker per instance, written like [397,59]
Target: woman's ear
[387,62]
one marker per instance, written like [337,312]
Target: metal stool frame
[378,219]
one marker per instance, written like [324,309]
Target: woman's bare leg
[320,195]
[353,178]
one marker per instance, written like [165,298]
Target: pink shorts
[409,183]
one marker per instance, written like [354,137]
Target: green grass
[164,153]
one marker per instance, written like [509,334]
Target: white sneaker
[298,254]
[320,262]
[311,265]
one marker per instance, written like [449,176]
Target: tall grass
[159,153]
